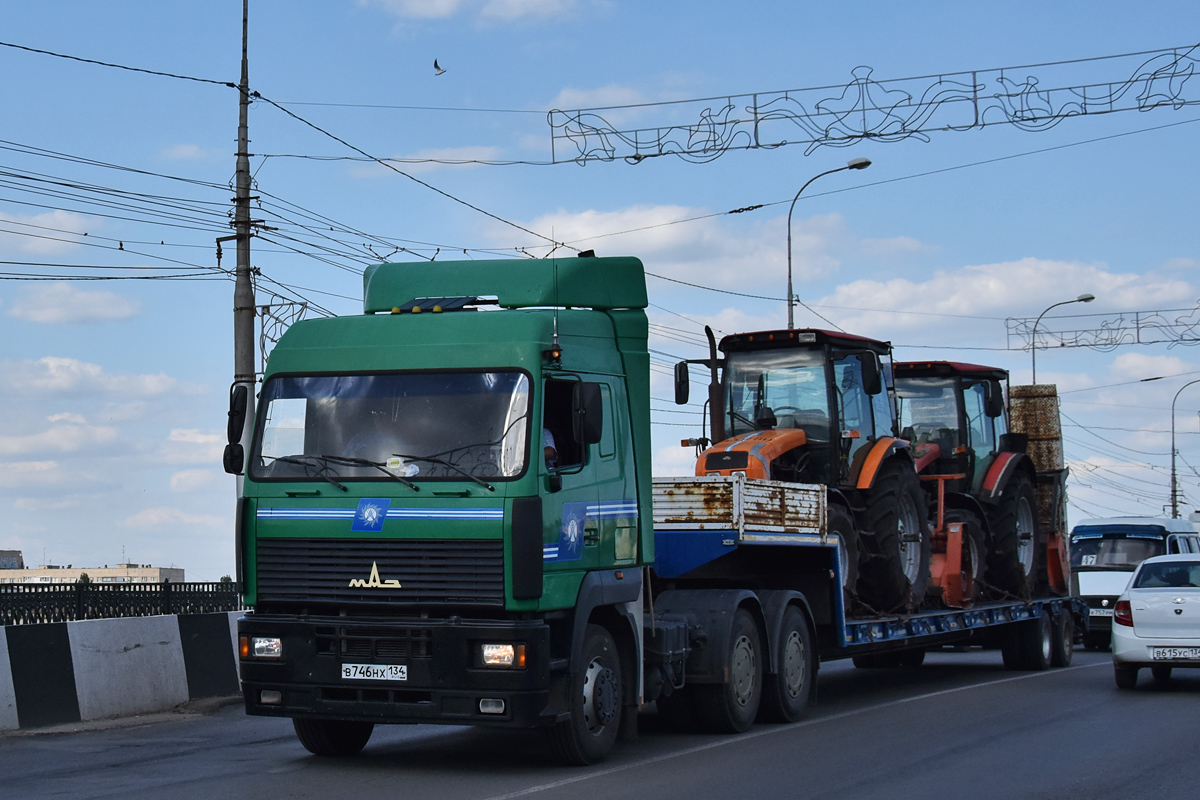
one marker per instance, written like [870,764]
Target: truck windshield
[928,410]
[1114,552]
[788,383]
[440,425]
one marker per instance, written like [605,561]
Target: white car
[1156,622]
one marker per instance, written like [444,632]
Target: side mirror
[239,397]
[682,386]
[233,458]
[994,402]
[587,413]
[872,380]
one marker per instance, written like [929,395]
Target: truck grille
[373,571]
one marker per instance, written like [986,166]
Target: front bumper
[445,681]
[1130,650]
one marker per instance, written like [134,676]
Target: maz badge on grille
[373,582]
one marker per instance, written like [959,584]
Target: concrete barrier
[94,669]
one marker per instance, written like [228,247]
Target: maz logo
[373,582]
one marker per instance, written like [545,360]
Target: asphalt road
[960,725]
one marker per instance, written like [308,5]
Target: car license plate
[374,672]
[1174,653]
[1100,612]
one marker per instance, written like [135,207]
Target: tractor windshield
[928,411]
[784,388]
[440,425]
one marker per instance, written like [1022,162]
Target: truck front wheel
[731,707]
[331,737]
[595,698]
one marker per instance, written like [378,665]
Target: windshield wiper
[450,464]
[354,461]
[314,461]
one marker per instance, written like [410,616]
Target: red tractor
[956,419]
[812,406]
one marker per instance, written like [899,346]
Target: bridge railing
[24,604]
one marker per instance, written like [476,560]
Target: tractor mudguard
[999,474]
[863,471]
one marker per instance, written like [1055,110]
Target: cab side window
[556,419]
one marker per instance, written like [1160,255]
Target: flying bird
[436,69]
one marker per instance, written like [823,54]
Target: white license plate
[1174,653]
[374,672]
[1100,612]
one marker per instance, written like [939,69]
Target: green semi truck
[447,516]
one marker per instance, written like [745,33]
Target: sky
[114,392]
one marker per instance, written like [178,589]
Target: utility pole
[243,291]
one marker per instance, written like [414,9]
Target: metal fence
[24,604]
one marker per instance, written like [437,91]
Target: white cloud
[190,480]
[60,302]
[36,504]
[186,152]
[28,473]
[506,10]
[74,419]
[164,516]
[190,446]
[58,439]
[53,374]
[44,234]
[611,95]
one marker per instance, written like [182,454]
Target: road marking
[746,737]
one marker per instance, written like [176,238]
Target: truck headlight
[502,655]
[266,647]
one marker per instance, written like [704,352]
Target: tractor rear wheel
[896,540]
[1014,559]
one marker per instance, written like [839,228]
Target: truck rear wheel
[731,707]
[332,737]
[595,701]
[895,571]
[1013,562]
[785,694]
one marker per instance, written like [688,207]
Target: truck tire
[839,521]
[885,660]
[332,737]
[1064,639]
[1035,641]
[731,707]
[895,537]
[1126,677]
[912,658]
[786,693]
[595,703]
[1014,558]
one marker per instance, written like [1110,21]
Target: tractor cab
[797,405]
[954,416]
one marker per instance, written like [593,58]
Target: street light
[1083,298]
[854,163]
[1174,482]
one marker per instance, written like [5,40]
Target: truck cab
[446,505]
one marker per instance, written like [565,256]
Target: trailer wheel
[890,659]
[840,522]
[912,658]
[1064,640]
[896,538]
[595,698]
[331,737]
[731,707]
[1013,565]
[785,694]
[1031,644]
[1126,677]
